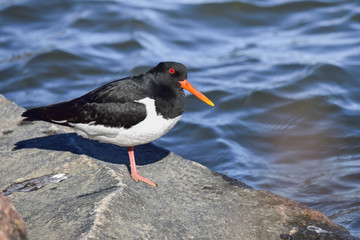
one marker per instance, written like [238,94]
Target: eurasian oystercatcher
[126,112]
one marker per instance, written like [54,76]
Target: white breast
[151,128]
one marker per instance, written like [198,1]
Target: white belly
[151,128]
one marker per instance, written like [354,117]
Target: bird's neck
[170,106]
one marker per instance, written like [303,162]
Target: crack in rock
[34,183]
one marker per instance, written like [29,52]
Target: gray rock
[68,187]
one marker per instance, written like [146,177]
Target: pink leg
[134,173]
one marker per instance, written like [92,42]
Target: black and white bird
[127,112]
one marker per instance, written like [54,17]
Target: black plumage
[115,104]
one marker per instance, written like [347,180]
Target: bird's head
[175,75]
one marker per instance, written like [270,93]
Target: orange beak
[186,85]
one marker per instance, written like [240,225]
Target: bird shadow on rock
[71,142]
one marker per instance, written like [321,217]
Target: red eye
[171,71]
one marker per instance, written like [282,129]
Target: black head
[169,73]
[170,77]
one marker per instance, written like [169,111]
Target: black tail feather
[35,114]
[46,114]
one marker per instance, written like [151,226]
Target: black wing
[108,114]
[112,105]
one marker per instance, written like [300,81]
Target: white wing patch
[61,121]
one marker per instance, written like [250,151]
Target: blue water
[284,76]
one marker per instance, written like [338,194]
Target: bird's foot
[136,176]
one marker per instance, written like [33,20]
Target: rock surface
[68,187]
[12,226]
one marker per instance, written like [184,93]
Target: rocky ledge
[68,187]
